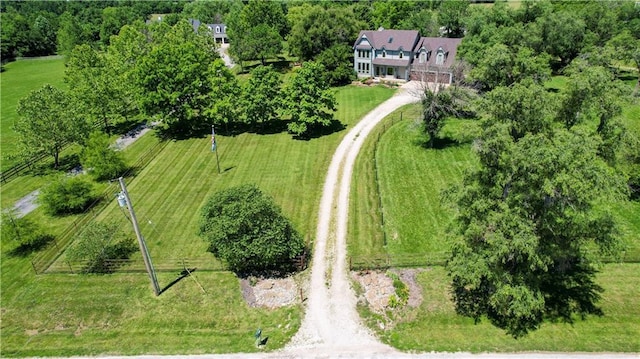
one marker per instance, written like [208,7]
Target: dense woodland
[524,228]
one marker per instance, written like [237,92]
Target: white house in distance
[218,31]
[404,55]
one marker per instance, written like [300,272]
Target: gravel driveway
[331,327]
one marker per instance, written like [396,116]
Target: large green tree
[48,120]
[70,34]
[113,19]
[451,15]
[95,87]
[315,29]
[225,96]
[256,32]
[501,65]
[262,97]
[562,35]
[245,228]
[525,107]
[175,79]
[308,100]
[526,221]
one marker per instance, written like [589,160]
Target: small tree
[438,104]
[246,228]
[67,195]
[102,247]
[100,159]
[47,122]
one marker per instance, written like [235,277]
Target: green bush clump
[67,195]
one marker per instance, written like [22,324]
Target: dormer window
[440,57]
[384,53]
[224,30]
[217,29]
[423,57]
[401,55]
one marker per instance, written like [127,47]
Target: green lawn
[117,314]
[411,180]
[434,325]
[18,79]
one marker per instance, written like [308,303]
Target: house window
[217,29]
[384,53]
[401,54]
[440,58]
[423,57]
[367,70]
[390,71]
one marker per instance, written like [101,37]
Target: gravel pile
[269,292]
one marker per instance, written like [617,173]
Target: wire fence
[48,256]
[385,126]
[137,265]
[385,261]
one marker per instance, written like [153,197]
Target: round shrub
[245,228]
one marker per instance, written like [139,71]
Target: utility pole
[143,246]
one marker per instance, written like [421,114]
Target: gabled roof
[391,40]
[433,44]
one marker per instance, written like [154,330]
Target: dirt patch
[269,292]
[31,332]
[378,287]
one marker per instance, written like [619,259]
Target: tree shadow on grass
[439,143]
[320,131]
[37,243]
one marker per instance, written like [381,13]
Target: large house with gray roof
[404,55]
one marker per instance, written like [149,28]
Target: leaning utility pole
[143,246]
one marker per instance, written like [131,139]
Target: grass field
[434,325]
[117,314]
[18,79]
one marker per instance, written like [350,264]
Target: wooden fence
[385,261]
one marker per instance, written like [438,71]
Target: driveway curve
[332,327]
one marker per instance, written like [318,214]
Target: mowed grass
[67,315]
[434,325]
[18,79]
[411,179]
